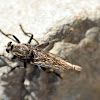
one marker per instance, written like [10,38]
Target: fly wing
[51,61]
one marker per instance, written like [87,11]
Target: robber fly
[35,54]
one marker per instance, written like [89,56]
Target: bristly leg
[7,64]
[17,40]
[29,35]
[7,35]
[25,64]
[14,57]
[46,46]
[12,69]
[30,39]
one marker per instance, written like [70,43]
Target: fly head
[9,47]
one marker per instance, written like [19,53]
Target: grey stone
[48,20]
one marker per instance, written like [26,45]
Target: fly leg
[25,64]
[7,64]
[48,45]
[9,36]
[54,71]
[12,69]
[29,35]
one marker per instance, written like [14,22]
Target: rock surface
[50,20]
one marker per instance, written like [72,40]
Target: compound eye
[7,50]
[9,44]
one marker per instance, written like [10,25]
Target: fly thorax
[20,50]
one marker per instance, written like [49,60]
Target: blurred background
[48,20]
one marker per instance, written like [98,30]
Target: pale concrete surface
[39,16]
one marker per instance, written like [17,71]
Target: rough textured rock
[85,54]
[33,83]
[81,47]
